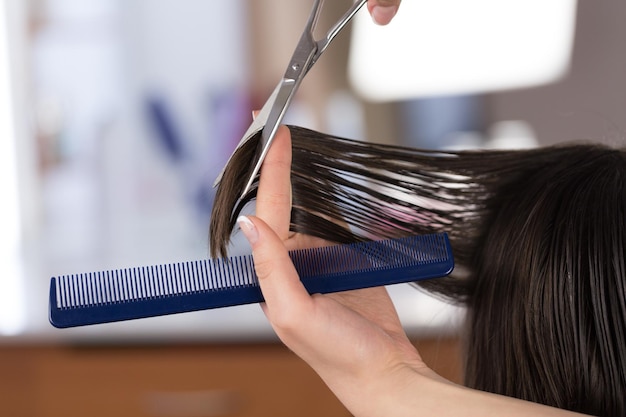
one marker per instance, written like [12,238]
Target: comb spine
[234,282]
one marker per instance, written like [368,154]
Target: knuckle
[290,322]
[273,199]
[263,267]
[284,324]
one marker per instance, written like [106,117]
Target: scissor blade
[334,31]
[284,95]
[306,54]
[256,126]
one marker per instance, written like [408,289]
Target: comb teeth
[144,283]
[371,256]
[124,294]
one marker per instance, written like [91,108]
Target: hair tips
[539,240]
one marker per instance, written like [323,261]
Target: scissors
[307,51]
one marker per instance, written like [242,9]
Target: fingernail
[248,228]
[382,15]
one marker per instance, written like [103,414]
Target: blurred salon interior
[116,116]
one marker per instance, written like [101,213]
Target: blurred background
[117,115]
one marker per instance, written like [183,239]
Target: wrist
[400,391]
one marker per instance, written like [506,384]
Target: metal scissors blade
[307,52]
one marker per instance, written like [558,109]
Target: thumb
[280,284]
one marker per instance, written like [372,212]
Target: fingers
[273,202]
[383,11]
[282,289]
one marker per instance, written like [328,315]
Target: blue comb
[134,293]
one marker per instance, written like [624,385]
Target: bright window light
[460,47]
[12,315]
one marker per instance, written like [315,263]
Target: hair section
[538,235]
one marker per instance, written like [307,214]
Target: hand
[354,340]
[383,11]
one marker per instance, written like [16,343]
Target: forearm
[414,393]
[354,340]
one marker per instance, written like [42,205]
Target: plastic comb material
[133,293]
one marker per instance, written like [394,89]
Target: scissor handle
[308,49]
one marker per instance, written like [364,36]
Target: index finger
[273,201]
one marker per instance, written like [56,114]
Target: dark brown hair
[539,239]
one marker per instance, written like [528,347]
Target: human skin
[353,340]
[383,11]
